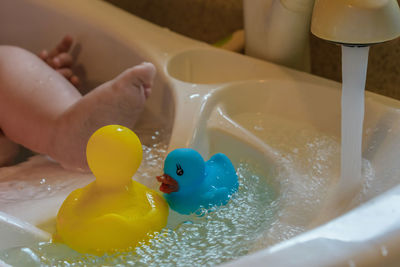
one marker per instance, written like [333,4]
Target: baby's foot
[119,101]
[60,60]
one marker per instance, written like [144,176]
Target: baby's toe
[63,47]
[147,92]
[63,60]
[75,80]
[43,55]
[66,72]
[140,76]
[147,71]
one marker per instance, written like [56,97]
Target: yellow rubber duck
[113,213]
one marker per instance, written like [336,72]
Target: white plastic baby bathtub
[286,122]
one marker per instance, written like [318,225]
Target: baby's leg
[119,101]
[61,61]
[8,151]
[33,96]
[41,110]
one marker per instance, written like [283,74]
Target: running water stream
[354,70]
[350,185]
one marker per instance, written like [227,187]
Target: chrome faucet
[278,30]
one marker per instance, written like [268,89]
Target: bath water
[309,161]
[215,237]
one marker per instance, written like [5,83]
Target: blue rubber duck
[189,183]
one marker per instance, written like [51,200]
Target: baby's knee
[12,49]
[14,54]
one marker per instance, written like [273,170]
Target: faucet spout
[278,30]
[356,22]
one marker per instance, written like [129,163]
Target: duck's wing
[222,163]
[223,172]
[220,158]
[216,196]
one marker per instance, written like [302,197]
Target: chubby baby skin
[41,108]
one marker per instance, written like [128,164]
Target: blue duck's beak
[168,184]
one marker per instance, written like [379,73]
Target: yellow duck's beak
[168,184]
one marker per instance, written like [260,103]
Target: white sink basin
[287,123]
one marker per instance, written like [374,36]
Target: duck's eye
[179,170]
